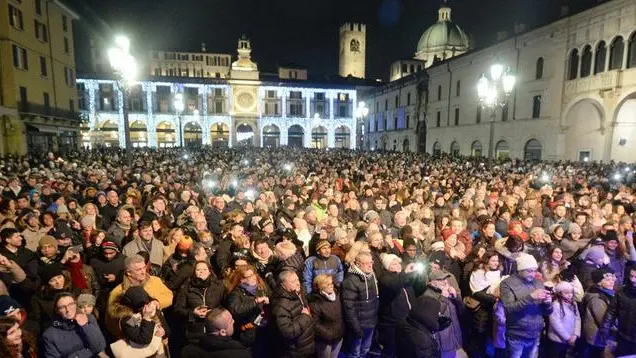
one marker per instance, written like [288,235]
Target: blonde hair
[321,281]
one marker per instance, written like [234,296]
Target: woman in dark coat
[200,293]
[55,281]
[326,310]
[248,301]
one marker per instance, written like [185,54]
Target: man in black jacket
[217,342]
[625,312]
[415,337]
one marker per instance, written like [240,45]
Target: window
[458,88]
[23,95]
[343,97]
[574,65]
[69,77]
[354,46]
[438,121]
[631,54]
[395,123]
[295,95]
[43,71]
[15,18]
[155,55]
[71,105]
[456,116]
[538,74]
[404,68]
[504,112]
[342,110]
[320,96]
[40,31]
[599,57]
[616,53]
[478,119]
[66,46]
[536,106]
[377,106]
[218,106]
[408,121]
[270,94]
[47,102]
[64,23]
[408,99]
[397,101]
[218,92]
[38,7]
[439,93]
[295,109]
[386,104]
[20,58]
[158,71]
[586,61]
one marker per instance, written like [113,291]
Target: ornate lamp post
[125,67]
[179,107]
[493,92]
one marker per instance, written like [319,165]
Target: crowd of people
[314,253]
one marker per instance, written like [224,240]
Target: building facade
[38,98]
[190,64]
[575,97]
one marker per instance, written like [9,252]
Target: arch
[502,149]
[219,135]
[599,57]
[271,136]
[192,134]
[319,137]
[354,45]
[573,65]
[437,148]
[295,136]
[623,138]
[244,135]
[406,145]
[454,149]
[533,150]
[166,134]
[476,149]
[617,49]
[586,61]
[138,134]
[538,73]
[583,125]
[342,137]
[631,51]
[109,133]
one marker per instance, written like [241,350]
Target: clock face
[245,100]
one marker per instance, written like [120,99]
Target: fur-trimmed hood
[285,250]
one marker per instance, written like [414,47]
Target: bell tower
[353,46]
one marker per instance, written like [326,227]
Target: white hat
[526,262]
[387,260]
[437,246]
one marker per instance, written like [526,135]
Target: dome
[443,35]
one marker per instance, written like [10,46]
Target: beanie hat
[574,227]
[86,299]
[50,271]
[563,286]
[599,274]
[526,262]
[48,240]
[136,298]
[610,235]
[595,254]
[264,222]
[185,243]
[62,209]
[437,246]
[8,305]
[109,245]
[447,233]
[87,221]
[438,257]
[321,244]
[387,260]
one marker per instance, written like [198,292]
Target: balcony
[34,109]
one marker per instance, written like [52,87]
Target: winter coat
[450,338]
[360,300]
[136,246]
[66,338]
[175,279]
[625,312]
[617,263]
[524,316]
[414,338]
[319,265]
[396,297]
[196,293]
[595,305]
[565,322]
[289,259]
[245,310]
[585,274]
[216,346]
[295,329]
[327,317]
[499,326]
[27,260]
[480,286]
[213,217]
[223,255]
[117,233]
[42,308]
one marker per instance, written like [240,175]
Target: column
[353,134]
[121,128]
[283,136]
[331,96]
[151,126]
[232,136]
[283,102]
[203,115]
[306,95]
[307,137]
[91,87]
[331,136]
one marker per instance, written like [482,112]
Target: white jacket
[565,322]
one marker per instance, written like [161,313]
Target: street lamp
[125,67]
[179,106]
[493,91]
[361,114]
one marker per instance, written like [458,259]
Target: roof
[443,35]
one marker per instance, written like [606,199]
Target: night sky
[303,32]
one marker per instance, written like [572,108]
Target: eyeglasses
[67,307]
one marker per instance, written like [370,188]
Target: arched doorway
[138,134]
[454,149]
[295,136]
[502,150]
[583,131]
[476,149]
[437,149]
[532,150]
[192,135]
[343,137]
[406,145]
[244,135]
[166,135]
[220,135]
[385,142]
[271,136]
[109,134]
[624,138]
[319,137]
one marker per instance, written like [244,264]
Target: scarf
[331,297]
[250,289]
[77,274]
[261,259]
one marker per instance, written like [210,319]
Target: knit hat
[526,262]
[563,286]
[61,209]
[136,298]
[438,257]
[321,244]
[574,227]
[371,215]
[264,222]
[48,240]
[447,233]
[8,305]
[437,246]
[109,245]
[86,299]
[595,254]
[87,221]
[610,235]
[49,271]
[387,260]
[599,274]
[185,243]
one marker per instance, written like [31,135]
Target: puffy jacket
[295,329]
[68,339]
[625,311]
[565,322]
[595,305]
[245,310]
[196,293]
[450,338]
[524,316]
[319,265]
[360,300]
[327,317]
[216,346]
[415,337]
[396,297]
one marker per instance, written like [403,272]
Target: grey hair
[130,260]
[283,276]
[363,254]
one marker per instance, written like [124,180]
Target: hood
[425,312]
[285,250]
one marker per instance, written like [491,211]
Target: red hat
[447,233]
[109,245]
[185,243]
